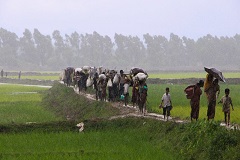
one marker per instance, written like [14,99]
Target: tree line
[36,51]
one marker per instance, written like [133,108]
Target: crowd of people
[109,85]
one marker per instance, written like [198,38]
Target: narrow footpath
[130,111]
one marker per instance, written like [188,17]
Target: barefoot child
[226,101]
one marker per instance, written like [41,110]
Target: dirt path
[130,111]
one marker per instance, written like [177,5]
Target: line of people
[109,85]
[114,87]
[212,91]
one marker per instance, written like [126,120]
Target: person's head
[167,90]
[227,91]
[121,71]
[200,83]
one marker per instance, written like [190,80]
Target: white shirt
[166,100]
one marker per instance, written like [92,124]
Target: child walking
[226,101]
[166,103]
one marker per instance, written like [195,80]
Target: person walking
[95,84]
[2,72]
[121,83]
[226,101]
[213,92]
[135,92]
[142,96]
[195,100]
[166,104]
[110,87]
[19,75]
[126,91]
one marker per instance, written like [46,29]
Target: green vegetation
[37,77]
[181,75]
[128,138]
[21,104]
[64,101]
[181,105]
[120,139]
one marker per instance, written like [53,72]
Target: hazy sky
[190,18]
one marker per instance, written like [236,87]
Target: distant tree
[62,52]
[8,48]
[237,50]
[121,51]
[73,43]
[137,52]
[205,48]
[44,48]
[27,48]
[108,52]
[96,49]
[190,52]
[156,51]
[130,51]
[175,51]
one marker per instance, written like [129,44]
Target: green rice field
[181,105]
[182,75]
[120,139]
[21,104]
[115,144]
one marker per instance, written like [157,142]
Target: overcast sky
[190,18]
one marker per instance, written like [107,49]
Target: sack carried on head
[141,76]
[102,76]
[189,91]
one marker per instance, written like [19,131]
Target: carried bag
[109,83]
[89,82]
[189,91]
[116,79]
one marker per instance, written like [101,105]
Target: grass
[181,75]
[64,101]
[40,77]
[181,105]
[21,104]
[91,145]
[128,138]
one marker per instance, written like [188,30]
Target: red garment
[195,102]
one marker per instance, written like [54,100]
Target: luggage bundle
[102,77]
[189,91]
[138,73]
[141,76]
